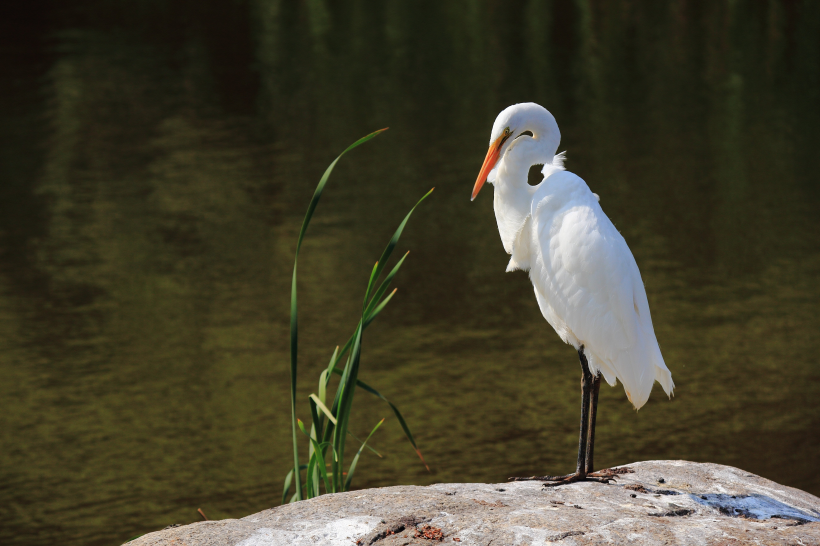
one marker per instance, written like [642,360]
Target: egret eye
[505,135]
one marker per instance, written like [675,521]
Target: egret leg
[593,412]
[586,391]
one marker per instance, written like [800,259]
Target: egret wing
[591,286]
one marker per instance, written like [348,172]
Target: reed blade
[395,239]
[373,275]
[370,448]
[317,430]
[352,468]
[311,487]
[324,379]
[288,482]
[347,391]
[315,399]
[318,465]
[379,308]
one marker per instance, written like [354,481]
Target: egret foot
[573,478]
[603,476]
[540,478]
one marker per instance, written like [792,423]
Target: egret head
[511,124]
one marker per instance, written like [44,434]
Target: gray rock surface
[661,502]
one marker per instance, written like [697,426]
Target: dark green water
[156,162]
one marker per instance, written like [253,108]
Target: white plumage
[585,278]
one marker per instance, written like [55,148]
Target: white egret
[585,278]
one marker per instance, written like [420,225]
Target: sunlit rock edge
[661,502]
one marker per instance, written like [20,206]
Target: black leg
[586,387]
[593,412]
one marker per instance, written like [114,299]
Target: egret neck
[521,137]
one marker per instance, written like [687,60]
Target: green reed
[330,425]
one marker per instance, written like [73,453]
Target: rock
[661,502]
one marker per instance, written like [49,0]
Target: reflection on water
[156,164]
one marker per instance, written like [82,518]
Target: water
[156,164]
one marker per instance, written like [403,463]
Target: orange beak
[489,163]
